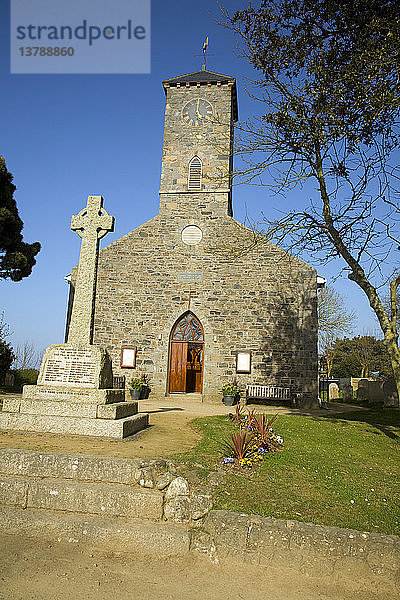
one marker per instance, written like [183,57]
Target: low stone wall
[343,556]
[104,533]
[115,503]
[147,506]
[108,486]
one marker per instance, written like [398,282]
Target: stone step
[110,534]
[82,467]
[184,396]
[117,410]
[108,499]
[73,394]
[113,429]
[58,408]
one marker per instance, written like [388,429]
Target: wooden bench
[119,382]
[270,392]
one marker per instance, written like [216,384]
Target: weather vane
[203,68]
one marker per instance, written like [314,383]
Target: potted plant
[146,389]
[230,393]
[137,384]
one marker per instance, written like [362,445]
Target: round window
[192,235]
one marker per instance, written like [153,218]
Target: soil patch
[32,569]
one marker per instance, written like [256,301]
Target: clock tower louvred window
[195,173]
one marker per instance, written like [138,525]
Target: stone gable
[257,299]
[248,294]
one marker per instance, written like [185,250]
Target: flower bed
[253,440]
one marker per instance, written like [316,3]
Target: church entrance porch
[186,356]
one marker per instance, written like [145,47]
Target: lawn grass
[327,463]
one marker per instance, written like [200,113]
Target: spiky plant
[262,425]
[237,444]
[239,413]
[250,416]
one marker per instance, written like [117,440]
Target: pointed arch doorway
[186,355]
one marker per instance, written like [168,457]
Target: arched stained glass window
[188,329]
[195,173]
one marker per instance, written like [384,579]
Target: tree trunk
[329,363]
[388,324]
[391,343]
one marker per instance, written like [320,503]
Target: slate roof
[204,77]
[200,77]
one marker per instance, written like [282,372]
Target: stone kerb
[328,553]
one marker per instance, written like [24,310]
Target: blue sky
[67,136]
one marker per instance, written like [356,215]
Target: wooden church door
[186,355]
[177,371]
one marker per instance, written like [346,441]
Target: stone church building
[192,298]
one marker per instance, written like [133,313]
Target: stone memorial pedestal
[74,392]
[74,395]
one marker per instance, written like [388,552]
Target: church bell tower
[197,155]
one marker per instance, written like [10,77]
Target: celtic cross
[91,224]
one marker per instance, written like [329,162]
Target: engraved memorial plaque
[190,277]
[71,367]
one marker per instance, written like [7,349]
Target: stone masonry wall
[248,294]
[211,143]
[263,301]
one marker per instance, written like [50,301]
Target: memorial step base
[103,428]
[116,410]
[73,394]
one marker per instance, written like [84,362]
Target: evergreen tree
[6,359]
[16,257]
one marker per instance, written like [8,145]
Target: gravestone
[376,394]
[74,391]
[347,389]
[362,390]
[9,379]
[391,396]
[333,392]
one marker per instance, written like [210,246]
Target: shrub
[6,358]
[137,383]
[238,417]
[25,377]
[251,445]
[230,389]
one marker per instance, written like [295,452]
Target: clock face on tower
[197,112]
